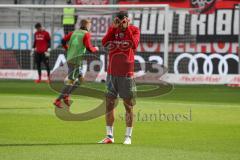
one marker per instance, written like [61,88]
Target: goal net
[17,30]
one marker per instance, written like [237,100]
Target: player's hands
[116,22]
[47,54]
[97,48]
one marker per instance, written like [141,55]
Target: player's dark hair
[38,25]
[122,14]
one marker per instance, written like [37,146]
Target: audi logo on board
[193,67]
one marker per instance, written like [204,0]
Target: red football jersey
[41,41]
[122,47]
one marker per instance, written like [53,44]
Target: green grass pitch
[29,129]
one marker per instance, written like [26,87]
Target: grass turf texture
[30,130]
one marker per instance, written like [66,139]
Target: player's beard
[122,28]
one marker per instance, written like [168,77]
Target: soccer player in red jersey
[123,39]
[41,50]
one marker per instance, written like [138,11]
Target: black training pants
[39,58]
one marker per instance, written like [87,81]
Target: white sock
[128,131]
[109,130]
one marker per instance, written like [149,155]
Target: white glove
[32,51]
[97,48]
[47,53]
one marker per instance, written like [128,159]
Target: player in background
[120,82]
[41,50]
[76,43]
